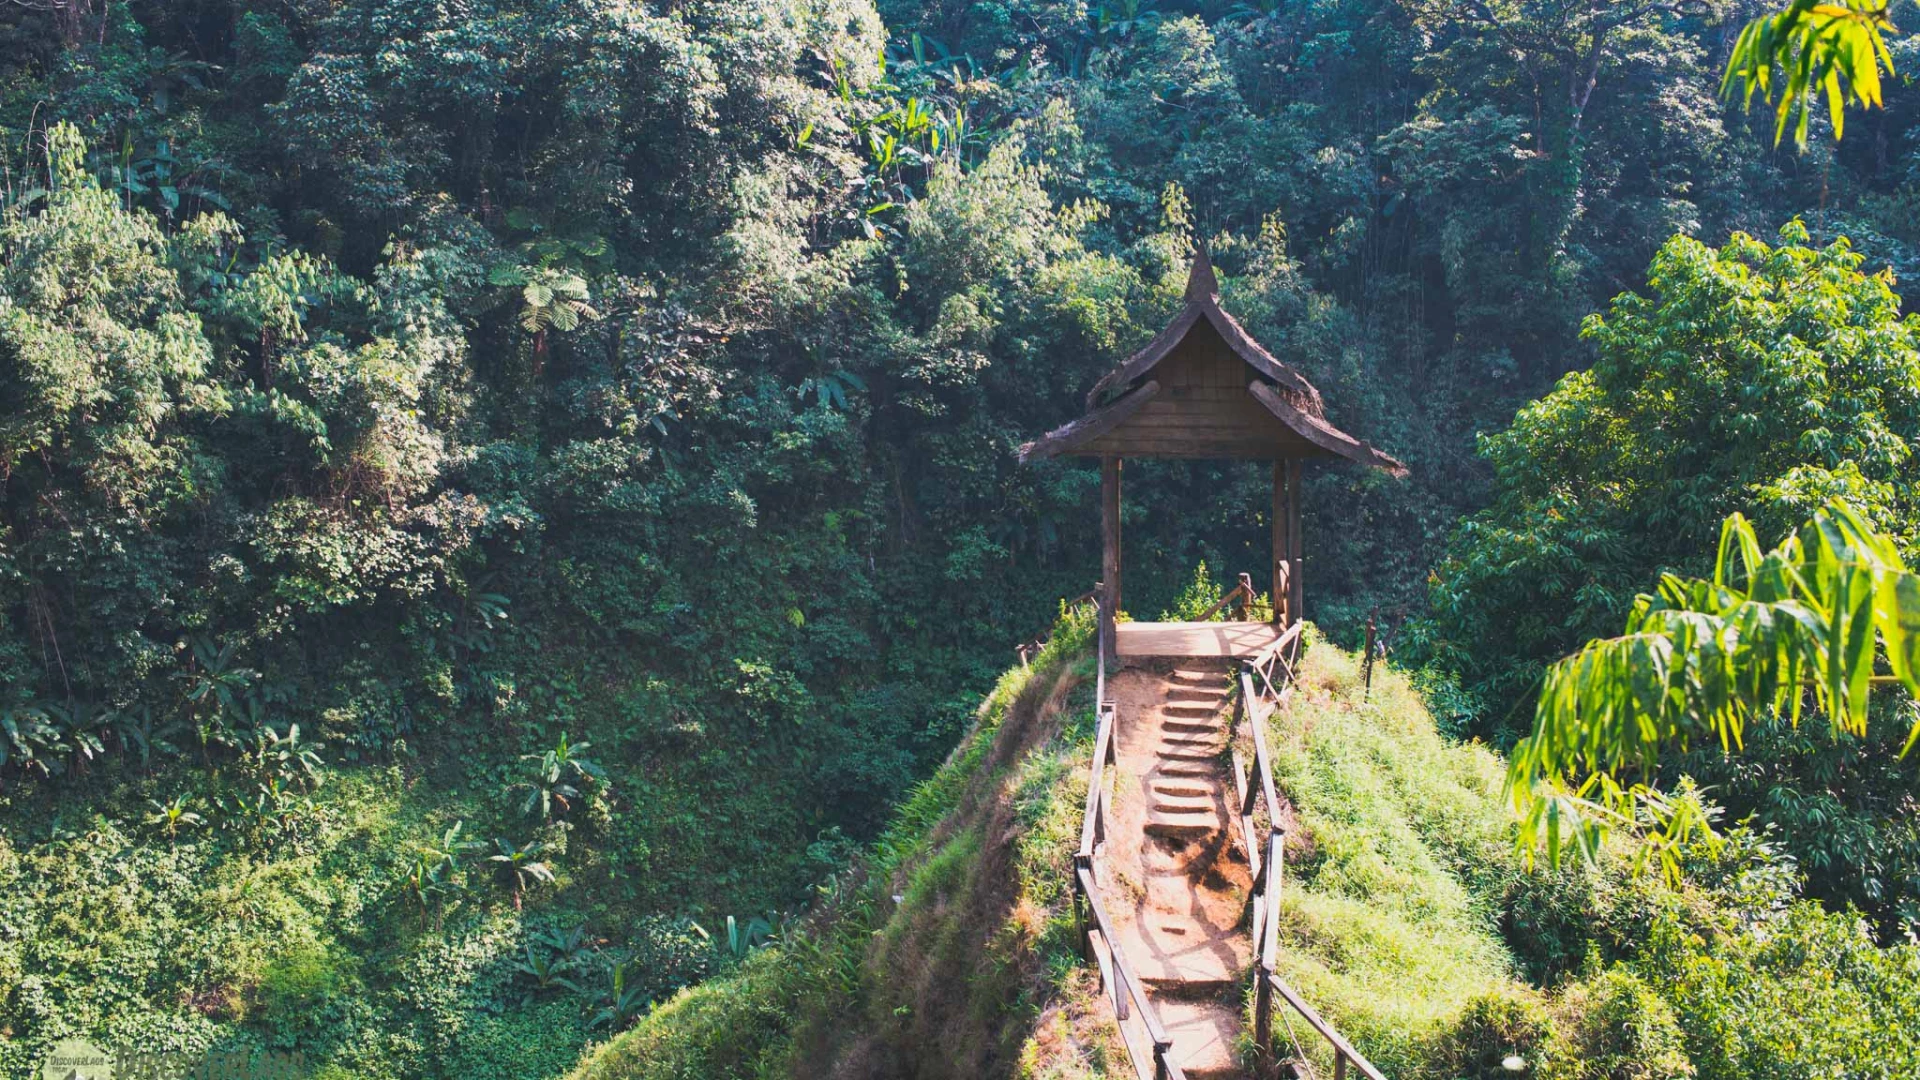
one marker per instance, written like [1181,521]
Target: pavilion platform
[1223,640]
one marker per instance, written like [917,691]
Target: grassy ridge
[1389,921]
[1408,919]
[948,951]
[1413,924]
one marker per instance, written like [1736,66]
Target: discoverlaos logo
[78,1059]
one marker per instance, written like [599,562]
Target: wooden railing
[1239,596]
[1266,681]
[1149,1047]
[1031,645]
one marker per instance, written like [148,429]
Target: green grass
[1383,927]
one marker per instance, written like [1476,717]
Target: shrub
[1494,1033]
[1619,1028]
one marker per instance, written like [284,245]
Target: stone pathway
[1178,880]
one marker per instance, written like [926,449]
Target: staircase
[1179,882]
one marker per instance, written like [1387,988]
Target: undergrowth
[1410,920]
[948,949]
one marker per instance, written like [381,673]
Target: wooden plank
[1200,446]
[1200,417]
[1235,393]
[1231,640]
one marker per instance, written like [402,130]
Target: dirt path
[1178,880]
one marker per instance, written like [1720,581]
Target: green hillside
[1408,919]
[509,510]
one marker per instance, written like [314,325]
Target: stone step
[1177,740]
[1198,691]
[1180,787]
[1200,755]
[1185,804]
[1203,1033]
[1179,948]
[1207,769]
[1190,710]
[1192,676]
[1182,825]
[1192,727]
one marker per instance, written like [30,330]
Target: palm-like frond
[1835,49]
[1701,658]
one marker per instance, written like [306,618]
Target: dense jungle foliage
[490,490]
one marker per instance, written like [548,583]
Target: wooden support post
[1080,904]
[1296,547]
[1110,548]
[1281,545]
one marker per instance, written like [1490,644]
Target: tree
[1754,379]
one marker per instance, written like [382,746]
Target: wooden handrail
[1341,1047]
[1037,640]
[1129,986]
[1155,1063]
[1102,646]
[1242,592]
[1266,681]
[1154,1030]
[1093,823]
[1262,760]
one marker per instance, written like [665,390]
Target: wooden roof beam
[1203,302]
[1091,426]
[1322,434]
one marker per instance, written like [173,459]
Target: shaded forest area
[490,485]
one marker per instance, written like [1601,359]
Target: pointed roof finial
[1201,284]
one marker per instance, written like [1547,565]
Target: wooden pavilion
[1203,388]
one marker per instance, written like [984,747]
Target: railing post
[1367,682]
[1110,549]
[1080,901]
[1339,1065]
[1262,1012]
